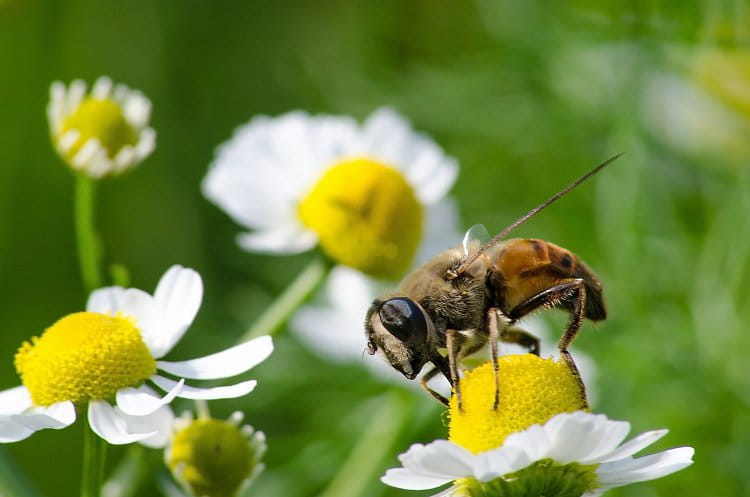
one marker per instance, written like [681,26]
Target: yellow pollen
[366,216]
[84,356]
[532,390]
[212,457]
[101,119]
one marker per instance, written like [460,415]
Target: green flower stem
[271,321]
[376,442]
[89,253]
[129,475]
[93,461]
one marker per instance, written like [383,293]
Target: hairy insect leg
[567,289]
[440,366]
[521,337]
[451,342]
[494,334]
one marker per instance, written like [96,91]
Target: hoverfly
[463,298]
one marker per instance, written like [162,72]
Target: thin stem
[89,253]
[93,462]
[374,445]
[272,320]
[129,475]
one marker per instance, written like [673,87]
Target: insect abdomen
[524,267]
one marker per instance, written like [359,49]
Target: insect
[461,299]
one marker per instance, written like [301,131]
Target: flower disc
[84,356]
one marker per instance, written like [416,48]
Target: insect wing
[474,238]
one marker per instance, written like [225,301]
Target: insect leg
[494,333]
[521,337]
[440,366]
[567,289]
[451,343]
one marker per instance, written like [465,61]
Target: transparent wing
[474,238]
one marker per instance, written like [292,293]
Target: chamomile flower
[538,442]
[102,133]
[101,360]
[360,192]
[213,457]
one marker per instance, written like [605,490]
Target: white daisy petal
[291,238]
[177,299]
[110,423]
[14,400]
[188,392]
[440,457]
[626,471]
[405,479]
[230,362]
[101,88]
[143,401]
[130,302]
[633,446]
[580,436]
[12,431]
[56,416]
[158,422]
[534,442]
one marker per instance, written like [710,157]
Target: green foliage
[527,95]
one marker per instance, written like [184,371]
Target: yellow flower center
[212,457]
[366,216]
[101,119]
[84,356]
[532,390]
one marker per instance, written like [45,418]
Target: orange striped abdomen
[524,267]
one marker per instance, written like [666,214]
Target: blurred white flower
[103,133]
[360,192]
[705,110]
[107,353]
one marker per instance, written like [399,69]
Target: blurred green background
[527,95]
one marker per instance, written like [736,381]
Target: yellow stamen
[366,216]
[211,457]
[532,390]
[102,119]
[84,356]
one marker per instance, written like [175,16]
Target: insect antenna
[469,260]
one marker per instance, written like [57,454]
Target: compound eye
[404,320]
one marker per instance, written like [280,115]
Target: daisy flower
[103,133]
[215,458]
[360,192]
[107,360]
[538,442]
